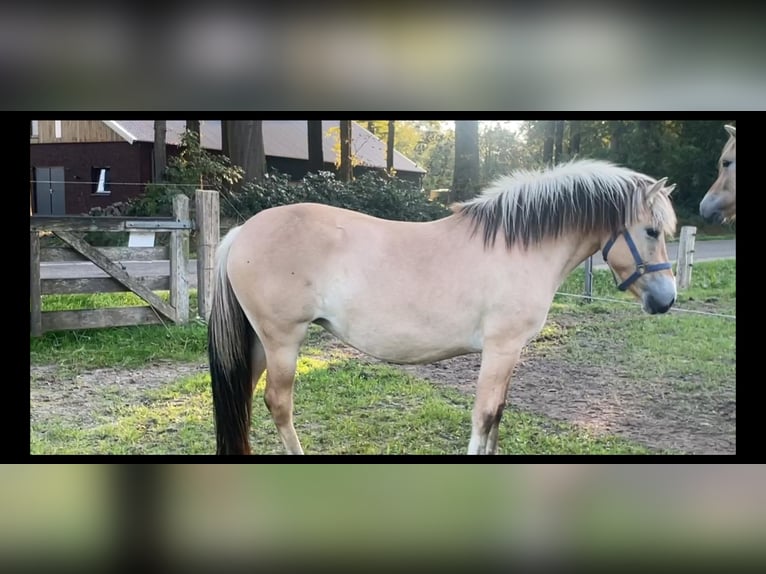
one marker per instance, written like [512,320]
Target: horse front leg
[494,377]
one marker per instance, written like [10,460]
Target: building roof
[281,138]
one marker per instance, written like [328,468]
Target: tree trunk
[650,157]
[575,135]
[390,148]
[225,142]
[244,140]
[548,143]
[558,155]
[258,165]
[193,126]
[316,155]
[465,181]
[160,151]
[617,129]
[345,171]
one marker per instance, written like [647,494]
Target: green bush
[193,168]
[370,193]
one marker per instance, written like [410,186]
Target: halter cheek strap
[641,267]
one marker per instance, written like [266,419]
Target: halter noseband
[641,267]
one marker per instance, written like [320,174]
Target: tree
[243,144]
[574,138]
[193,126]
[390,149]
[465,179]
[160,151]
[558,154]
[346,170]
[436,154]
[502,152]
[548,143]
[409,134]
[316,155]
[616,148]
[191,167]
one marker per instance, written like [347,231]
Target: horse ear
[656,187]
[669,189]
[732,130]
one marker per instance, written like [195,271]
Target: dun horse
[720,202]
[481,279]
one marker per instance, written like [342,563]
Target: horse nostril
[656,307]
[665,308]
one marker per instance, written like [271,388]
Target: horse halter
[641,267]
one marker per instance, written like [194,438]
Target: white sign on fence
[141,239]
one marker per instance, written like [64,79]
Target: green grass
[341,407]
[126,347]
[676,347]
[95,301]
[348,406]
[120,346]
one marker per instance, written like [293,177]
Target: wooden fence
[111,260]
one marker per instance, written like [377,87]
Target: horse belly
[397,338]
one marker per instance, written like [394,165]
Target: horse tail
[230,347]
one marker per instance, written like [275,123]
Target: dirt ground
[603,401]
[596,399]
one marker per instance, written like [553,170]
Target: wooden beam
[50,254]
[208,220]
[179,257]
[100,285]
[107,223]
[685,256]
[35,287]
[115,271]
[99,318]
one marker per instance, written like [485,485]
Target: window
[102,182]
[57,128]
[35,129]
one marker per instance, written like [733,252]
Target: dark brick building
[76,165]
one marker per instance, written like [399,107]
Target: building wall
[131,165]
[75,131]
[123,159]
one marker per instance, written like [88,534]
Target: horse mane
[578,196]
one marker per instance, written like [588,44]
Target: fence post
[35,286]
[685,256]
[208,222]
[588,266]
[179,261]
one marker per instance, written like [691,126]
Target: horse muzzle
[659,295]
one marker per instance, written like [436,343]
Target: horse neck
[561,255]
[571,249]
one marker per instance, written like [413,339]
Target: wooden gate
[110,260]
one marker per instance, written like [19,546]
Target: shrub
[370,193]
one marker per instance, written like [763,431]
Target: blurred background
[552,57]
[588,57]
[194,515]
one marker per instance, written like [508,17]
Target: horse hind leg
[494,429]
[280,379]
[494,378]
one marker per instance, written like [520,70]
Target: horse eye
[726,163]
[653,233]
